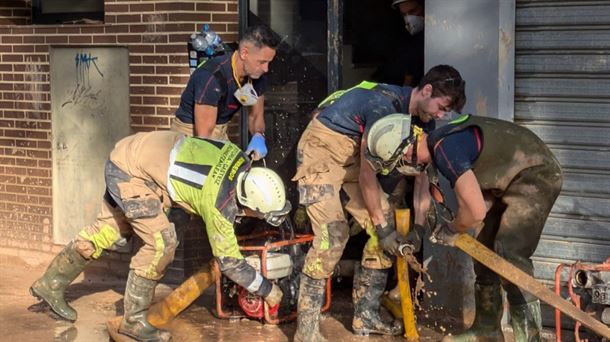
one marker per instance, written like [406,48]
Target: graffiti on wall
[84,90]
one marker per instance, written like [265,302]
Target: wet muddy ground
[98,299]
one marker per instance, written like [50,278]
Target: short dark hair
[446,81]
[261,36]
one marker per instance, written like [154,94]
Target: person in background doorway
[223,85]
[406,65]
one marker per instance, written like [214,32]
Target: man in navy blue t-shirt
[221,86]
[331,161]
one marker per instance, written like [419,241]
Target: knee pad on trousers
[165,244]
[327,249]
[91,242]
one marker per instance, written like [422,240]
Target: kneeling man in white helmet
[145,174]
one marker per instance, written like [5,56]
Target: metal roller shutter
[562,93]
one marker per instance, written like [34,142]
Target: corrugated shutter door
[562,93]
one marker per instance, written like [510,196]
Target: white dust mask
[414,23]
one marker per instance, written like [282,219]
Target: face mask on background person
[414,23]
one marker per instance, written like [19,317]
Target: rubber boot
[526,320]
[369,285]
[488,315]
[64,268]
[311,297]
[139,293]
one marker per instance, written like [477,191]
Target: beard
[251,74]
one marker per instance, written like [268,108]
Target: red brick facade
[155,32]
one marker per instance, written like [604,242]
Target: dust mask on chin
[246,95]
[414,24]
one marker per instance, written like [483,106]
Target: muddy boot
[526,320]
[369,285]
[139,293]
[66,266]
[486,326]
[311,297]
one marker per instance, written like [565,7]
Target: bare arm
[205,120]
[370,188]
[472,209]
[256,117]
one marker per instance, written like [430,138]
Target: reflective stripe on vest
[194,175]
[195,178]
[189,173]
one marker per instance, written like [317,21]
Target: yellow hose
[406,303]
[166,310]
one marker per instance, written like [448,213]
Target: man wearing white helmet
[333,176]
[145,174]
[506,181]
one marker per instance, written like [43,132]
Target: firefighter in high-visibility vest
[145,174]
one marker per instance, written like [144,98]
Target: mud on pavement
[98,298]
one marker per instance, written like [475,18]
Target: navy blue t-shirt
[213,84]
[355,111]
[457,152]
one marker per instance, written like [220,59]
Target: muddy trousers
[131,205]
[512,228]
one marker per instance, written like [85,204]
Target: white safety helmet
[395,3]
[262,190]
[387,133]
[388,140]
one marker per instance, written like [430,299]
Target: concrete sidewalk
[98,298]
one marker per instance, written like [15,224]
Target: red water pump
[278,258]
[253,306]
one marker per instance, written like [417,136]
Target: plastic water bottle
[206,41]
[199,42]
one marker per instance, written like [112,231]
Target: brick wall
[155,33]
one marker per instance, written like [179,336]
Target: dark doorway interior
[298,76]
[377,46]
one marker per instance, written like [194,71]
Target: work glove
[257,146]
[388,238]
[413,240]
[301,220]
[444,235]
[275,296]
